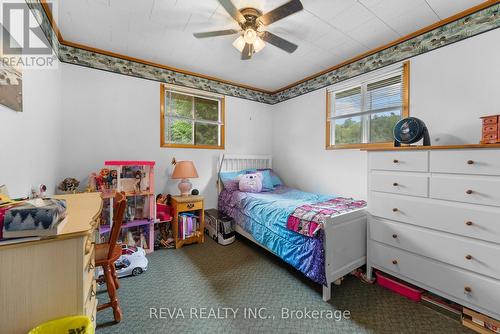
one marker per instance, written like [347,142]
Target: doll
[113,176]
[142,239]
[138,179]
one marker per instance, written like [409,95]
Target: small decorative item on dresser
[491,130]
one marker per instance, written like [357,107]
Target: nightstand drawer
[188,206]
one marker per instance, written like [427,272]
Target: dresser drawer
[399,183]
[402,161]
[482,162]
[467,189]
[468,220]
[476,256]
[450,281]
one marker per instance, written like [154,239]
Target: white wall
[114,117]
[31,140]
[450,88]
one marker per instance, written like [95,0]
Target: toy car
[132,262]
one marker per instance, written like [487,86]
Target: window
[363,112]
[191,119]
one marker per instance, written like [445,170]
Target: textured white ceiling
[327,32]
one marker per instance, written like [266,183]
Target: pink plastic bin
[404,289]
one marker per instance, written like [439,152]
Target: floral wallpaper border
[474,24]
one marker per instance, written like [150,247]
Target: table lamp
[184,170]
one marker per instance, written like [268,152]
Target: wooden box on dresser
[52,278]
[434,220]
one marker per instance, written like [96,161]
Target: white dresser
[434,220]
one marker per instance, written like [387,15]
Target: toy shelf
[136,179]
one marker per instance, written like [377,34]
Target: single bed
[336,250]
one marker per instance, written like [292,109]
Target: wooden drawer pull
[468,257]
[395,161]
[394,261]
[467,289]
[92,318]
[395,236]
[468,223]
[91,266]
[92,293]
[190,205]
[395,209]
[395,184]
[468,192]
[470,162]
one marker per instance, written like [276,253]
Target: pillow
[275,179]
[251,183]
[230,180]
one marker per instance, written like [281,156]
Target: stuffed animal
[251,183]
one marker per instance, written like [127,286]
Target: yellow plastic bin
[69,325]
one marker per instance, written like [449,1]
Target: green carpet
[199,277]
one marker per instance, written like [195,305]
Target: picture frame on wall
[11,88]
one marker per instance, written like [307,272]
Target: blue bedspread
[264,215]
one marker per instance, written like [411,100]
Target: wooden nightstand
[192,206]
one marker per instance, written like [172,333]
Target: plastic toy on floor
[132,262]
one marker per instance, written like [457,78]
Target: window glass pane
[347,102]
[382,125]
[206,109]
[385,93]
[179,131]
[348,130]
[181,105]
[206,134]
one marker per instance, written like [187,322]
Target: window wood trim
[405,113]
[163,87]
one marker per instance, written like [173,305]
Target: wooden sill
[208,147]
[360,146]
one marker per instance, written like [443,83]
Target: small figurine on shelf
[92,185]
[114,178]
[43,191]
[142,239]
[129,239]
[138,179]
[69,184]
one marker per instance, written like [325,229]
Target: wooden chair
[107,253]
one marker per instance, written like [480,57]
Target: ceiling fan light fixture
[250,36]
[259,44]
[239,43]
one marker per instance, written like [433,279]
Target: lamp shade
[184,170]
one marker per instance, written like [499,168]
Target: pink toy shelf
[136,179]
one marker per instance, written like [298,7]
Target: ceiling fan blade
[278,42]
[232,10]
[280,12]
[215,33]
[247,52]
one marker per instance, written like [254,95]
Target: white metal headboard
[237,162]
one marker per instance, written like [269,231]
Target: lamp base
[185,187]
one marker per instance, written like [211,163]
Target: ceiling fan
[252,22]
